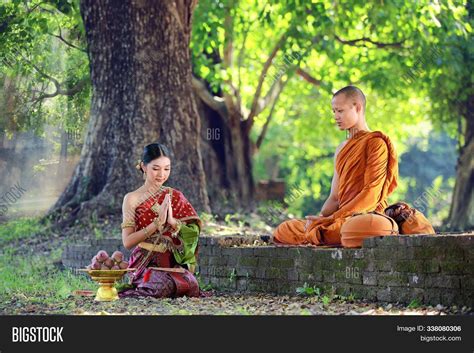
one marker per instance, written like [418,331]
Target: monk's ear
[358,107]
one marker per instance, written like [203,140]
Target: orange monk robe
[368,171]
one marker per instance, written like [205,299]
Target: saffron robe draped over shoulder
[367,166]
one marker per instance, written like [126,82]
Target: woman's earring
[144,175]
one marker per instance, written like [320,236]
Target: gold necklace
[153,193]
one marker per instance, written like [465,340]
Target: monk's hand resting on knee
[310,219]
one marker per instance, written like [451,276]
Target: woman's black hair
[154,151]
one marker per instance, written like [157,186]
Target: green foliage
[395,67]
[413,59]
[229,218]
[232,275]
[207,217]
[429,188]
[326,298]
[202,285]
[98,233]
[415,303]
[123,285]
[308,290]
[42,43]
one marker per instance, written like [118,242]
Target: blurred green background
[411,58]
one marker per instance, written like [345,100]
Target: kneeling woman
[164,229]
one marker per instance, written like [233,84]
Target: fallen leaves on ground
[218,304]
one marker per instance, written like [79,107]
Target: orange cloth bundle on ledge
[409,220]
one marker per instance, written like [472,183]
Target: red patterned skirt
[157,283]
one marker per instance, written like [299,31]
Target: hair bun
[138,166]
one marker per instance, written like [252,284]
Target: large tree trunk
[225,147]
[141,78]
[226,151]
[461,215]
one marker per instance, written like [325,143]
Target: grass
[202,285]
[36,280]
[29,275]
[232,275]
[414,304]
[98,233]
[30,278]
[308,290]
[19,229]
[234,224]
[240,310]
[327,298]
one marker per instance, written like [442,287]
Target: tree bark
[461,215]
[226,151]
[140,70]
[62,154]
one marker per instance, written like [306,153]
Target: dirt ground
[216,304]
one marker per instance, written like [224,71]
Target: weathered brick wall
[429,269]
[77,256]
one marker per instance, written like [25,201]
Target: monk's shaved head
[352,93]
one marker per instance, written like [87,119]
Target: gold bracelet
[177,229]
[156,223]
[127,224]
[147,235]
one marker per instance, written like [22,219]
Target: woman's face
[158,170]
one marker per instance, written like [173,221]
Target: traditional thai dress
[171,249]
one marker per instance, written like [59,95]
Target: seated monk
[365,173]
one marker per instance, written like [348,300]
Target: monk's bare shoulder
[339,148]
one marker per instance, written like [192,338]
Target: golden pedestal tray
[107,278]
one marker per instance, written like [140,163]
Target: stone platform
[423,268]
